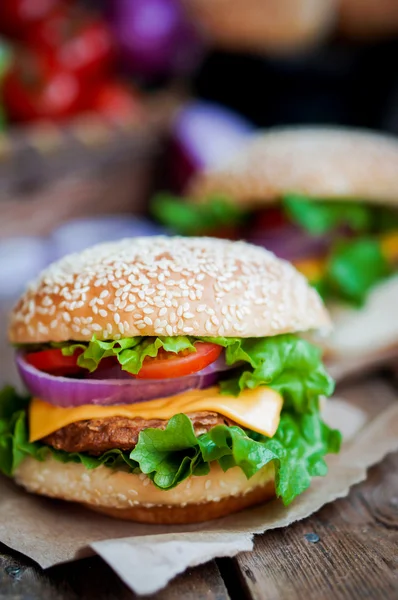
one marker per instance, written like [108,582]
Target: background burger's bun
[367,19]
[263,25]
[134,497]
[166,286]
[319,162]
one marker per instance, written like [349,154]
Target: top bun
[319,162]
[166,286]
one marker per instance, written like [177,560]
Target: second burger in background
[327,200]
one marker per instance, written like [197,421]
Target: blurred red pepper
[117,101]
[76,40]
[33,89]
[17,16]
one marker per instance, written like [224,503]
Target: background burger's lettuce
[287,363]
[354,265]
[353,268]
[169,456]
[318,217]
[186,218]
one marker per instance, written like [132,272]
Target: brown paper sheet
[147,557]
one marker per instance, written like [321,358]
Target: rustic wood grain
[356,555]
[21,579]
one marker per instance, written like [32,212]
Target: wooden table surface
[347,550]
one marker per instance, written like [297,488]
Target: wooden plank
[356,553]
[91,578]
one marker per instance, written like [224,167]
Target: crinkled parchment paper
[146,557]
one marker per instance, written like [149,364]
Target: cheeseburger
[325,199]
[168,381]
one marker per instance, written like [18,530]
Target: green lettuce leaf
[287,363]
[300,443]
[14,439]
[130,352]
[15,445]
[297,451]
[171,455]
[353,269]
[319,217]
[187,218]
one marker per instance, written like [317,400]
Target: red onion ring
[67,392]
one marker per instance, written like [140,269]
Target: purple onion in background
[290,242]
[204,136]
[154,37]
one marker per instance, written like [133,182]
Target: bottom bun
[191,513]
[134,497]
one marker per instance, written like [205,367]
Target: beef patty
[96,436]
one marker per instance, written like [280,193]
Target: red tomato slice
[167,365]
[54,362]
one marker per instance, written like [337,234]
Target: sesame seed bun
[163,286]
[134,497]
[263,25]
[319,162]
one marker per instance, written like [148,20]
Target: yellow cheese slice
[389,245]
[311,268]
[258,410]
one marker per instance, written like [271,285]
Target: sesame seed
[240,288]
